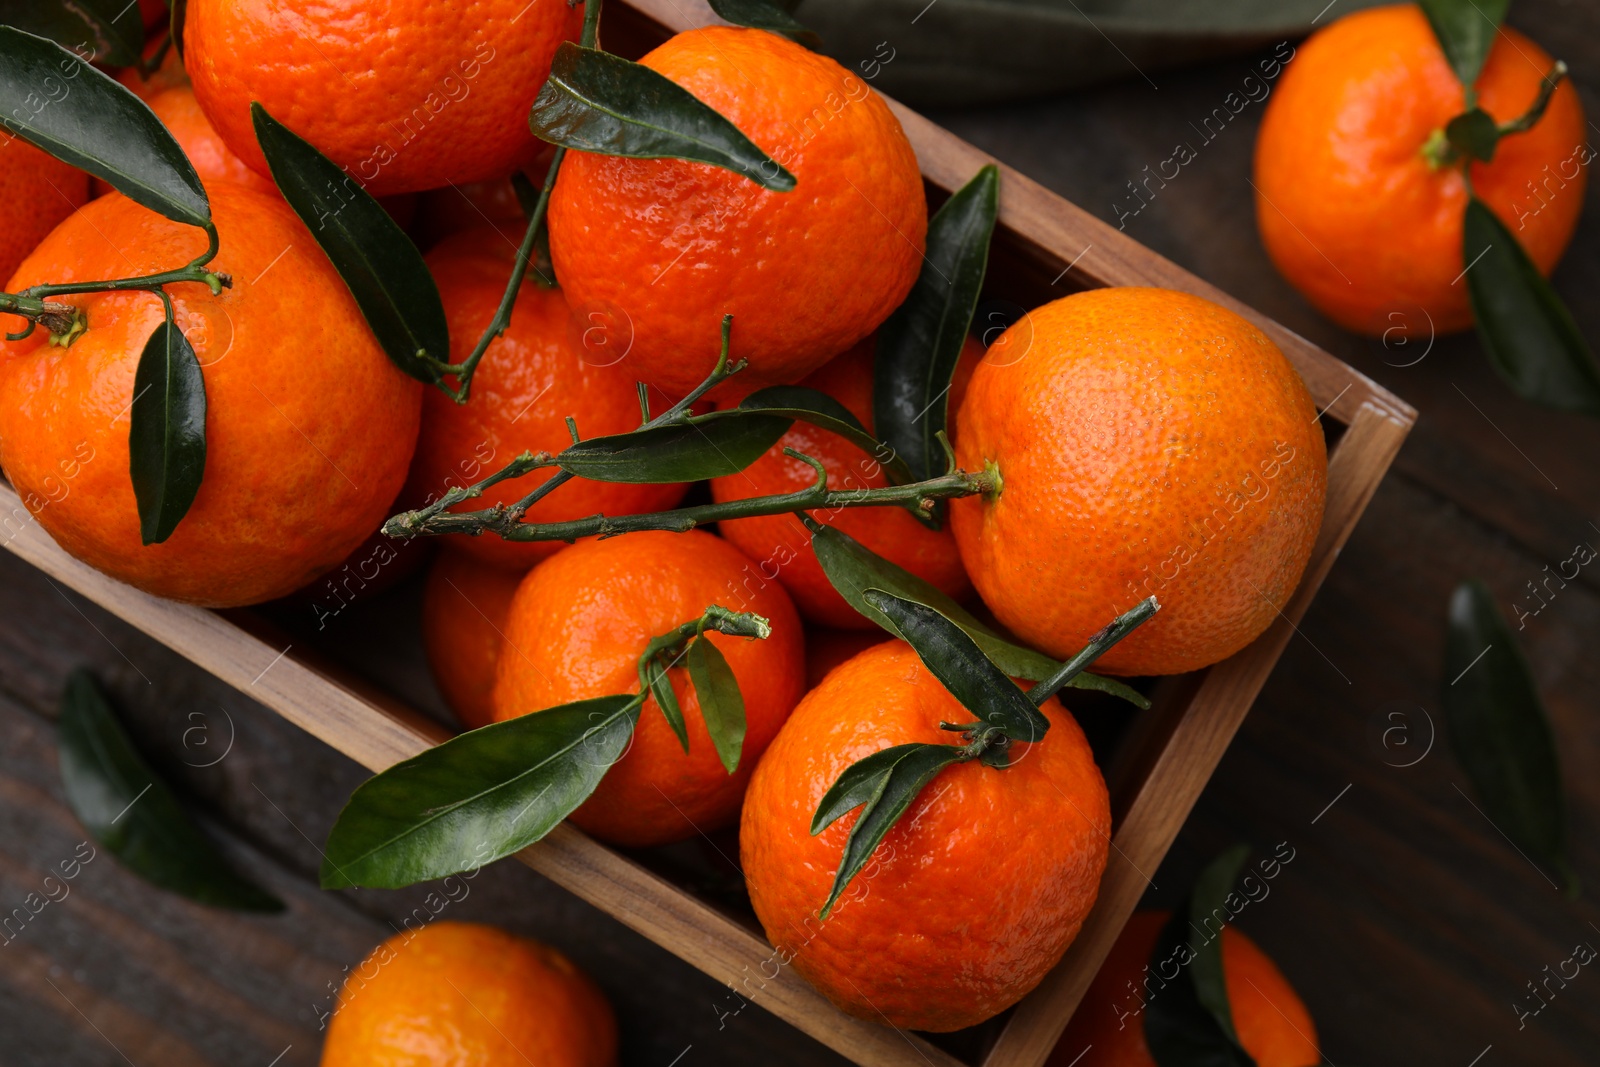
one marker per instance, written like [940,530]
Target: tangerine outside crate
[1043,248]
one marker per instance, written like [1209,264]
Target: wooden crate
[1044,247]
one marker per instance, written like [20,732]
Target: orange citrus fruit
[579,623]
[781,545]
[1272,1022]
[531,379]
[465,994]
[465,603]
[973,895]
[1148,442]
[1349,205]
[41,190]
[670,246]
[404,95]
[169,74]
[303,457]
[213,160]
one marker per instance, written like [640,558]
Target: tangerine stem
[1098,645]
[464,370]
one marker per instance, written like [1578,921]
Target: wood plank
[1190,752]
[332,710]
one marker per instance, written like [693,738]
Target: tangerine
[303,456]
[403,94]
[671,245]
[466,994]
[1271,1020]
[41,191]
[579,623]
[465,603]
[213,160]
[1148,442]
[973,895]
[531,379]
[781,544]
[1355,211]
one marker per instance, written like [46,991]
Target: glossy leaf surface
[919,345]
[1499,729]
[133,814]
[601,103]
[478,797]
[762,15]
[53,99]
[683,452]
[962,668]
[383,269]
[721,703]
[166,432]
[1466,29]
[1526,330]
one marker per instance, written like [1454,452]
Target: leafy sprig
[490,792]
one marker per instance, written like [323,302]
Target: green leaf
[180,9]
[478,797]
[598,102]
[1474,134]
[919,345]
[1524,327]
[821,410]
[1500,732]
[383,269]
[859,783]
[1466,30]
[680,452]
[166,432]
[52,99]
[1206,901]
[1178,1029]
[133,814]
[656,679]
[109,31]
[721,703]
[853,569]
[762,15]
[895,784]
[961,667]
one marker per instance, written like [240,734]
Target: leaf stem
[1098,645]
[464,370]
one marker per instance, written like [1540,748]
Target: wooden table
[1406,920]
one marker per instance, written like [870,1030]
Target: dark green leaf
[1208,904]
[821,410]
[1178,1029]
[478,797]
[898,783]
[919,345]
[597,102]
[762,15]
[961,667]
[179,9]
[721,703]
[166,432]
[1474,134]
[1499,730]
[53,99]
[1466,30]
[1526,330]
[683,452]
[104,31]
[659,682]
[860,782]
[853,569]
[384,270]
[130,811]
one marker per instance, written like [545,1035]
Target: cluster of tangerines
[719,299]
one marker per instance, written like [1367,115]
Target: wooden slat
[1194,747]
[378,736]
